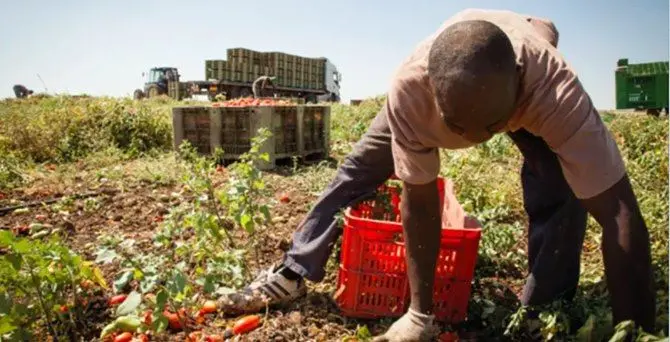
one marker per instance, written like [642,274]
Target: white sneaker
[270,288]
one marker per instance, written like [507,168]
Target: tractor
[157,82]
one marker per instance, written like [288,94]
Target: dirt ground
[131,212]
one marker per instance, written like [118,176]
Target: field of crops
[104,229]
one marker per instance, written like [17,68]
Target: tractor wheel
[246,92]
[153,91]
[234,93]
[138,94]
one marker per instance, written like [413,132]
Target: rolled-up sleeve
[545,28]
[414,162]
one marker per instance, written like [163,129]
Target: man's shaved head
[472,67]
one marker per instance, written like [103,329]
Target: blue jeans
[557,220]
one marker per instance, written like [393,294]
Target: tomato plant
[40,284]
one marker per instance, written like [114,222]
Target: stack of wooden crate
[245,65]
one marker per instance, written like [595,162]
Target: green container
[641,86]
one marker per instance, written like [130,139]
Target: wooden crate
[297,131]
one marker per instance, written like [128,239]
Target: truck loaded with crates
[642,86]
[311,79]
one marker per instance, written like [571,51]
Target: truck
[311,79]
[642,86]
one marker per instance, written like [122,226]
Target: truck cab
[333,78]
[157,82]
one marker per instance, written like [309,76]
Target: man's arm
[625,247]
[421,221]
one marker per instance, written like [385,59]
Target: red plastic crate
[372,280]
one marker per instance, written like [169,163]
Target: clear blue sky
[102,47]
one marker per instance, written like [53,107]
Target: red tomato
[125,337]
[284,198]
[173,320]
[209,307]
[143,338]
[118,299]
[21,230]
[246,324]
[147,318]
[213,338]
[63,308]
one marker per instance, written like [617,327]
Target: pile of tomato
[252,102]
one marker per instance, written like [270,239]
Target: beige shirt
[553,105]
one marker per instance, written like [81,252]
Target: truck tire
[311,98]
[653,112]
[233,93]
[138,94]
[153,91]
[245,92]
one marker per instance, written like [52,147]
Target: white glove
[413,326]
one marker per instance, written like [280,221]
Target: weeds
[43,282]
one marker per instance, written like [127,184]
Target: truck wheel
[311,98]
[654,112]
[234,93]
[153,91]
[138,94]
[245,92]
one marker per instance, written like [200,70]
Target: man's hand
[411,327]
[421,220]
[626,252]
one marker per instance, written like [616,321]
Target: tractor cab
[157,81]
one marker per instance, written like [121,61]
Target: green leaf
[264,156]
[209,284]
[6,325]
[179,282]
[15,260]
[23,246]
[5,304]
[99,278]
[159,322]
[246,223]
[161,299]
[106,256]
[6,238]
[123,280]
[266,212]
[149,282]
[585,333]
[129,305]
